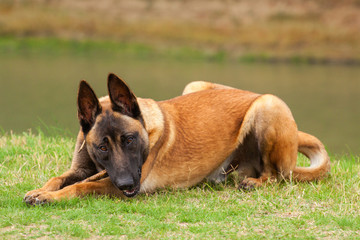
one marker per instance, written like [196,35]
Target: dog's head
[115,133]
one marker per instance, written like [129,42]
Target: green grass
[58,47]
[54,47]
[328,209]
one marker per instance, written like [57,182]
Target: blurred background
[306,52]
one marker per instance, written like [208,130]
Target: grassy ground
[48,46]
[328,209]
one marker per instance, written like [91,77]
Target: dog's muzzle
[133,191]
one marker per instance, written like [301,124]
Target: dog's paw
[31,194]
[38,197]
[249,184]
[246,186]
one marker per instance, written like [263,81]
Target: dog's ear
[121,97]
[88,106]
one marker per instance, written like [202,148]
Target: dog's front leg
[82,167]
[100,187]
[56,183]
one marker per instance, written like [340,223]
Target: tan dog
[205,134]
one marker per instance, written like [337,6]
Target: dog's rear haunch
[206,133]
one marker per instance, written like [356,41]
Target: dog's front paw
[31,194]
[38,197]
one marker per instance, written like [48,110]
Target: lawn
[328,209]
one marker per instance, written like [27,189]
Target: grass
[10,46]
[328,209]
[51,46]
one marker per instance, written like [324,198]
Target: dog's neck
[153,118]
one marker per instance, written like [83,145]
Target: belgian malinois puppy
[205,134]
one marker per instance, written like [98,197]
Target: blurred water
[41,90]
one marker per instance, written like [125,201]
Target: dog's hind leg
[278,163]
[276,137]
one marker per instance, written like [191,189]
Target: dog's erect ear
[88,106]
[121,97]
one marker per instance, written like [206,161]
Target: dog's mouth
[132,192]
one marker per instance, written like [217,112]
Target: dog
[129,145]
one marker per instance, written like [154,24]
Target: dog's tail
[313,149]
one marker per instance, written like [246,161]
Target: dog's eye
[129,140]
[103,148]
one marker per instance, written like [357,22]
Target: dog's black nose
[124,183]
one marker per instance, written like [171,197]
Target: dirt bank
[319,30]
